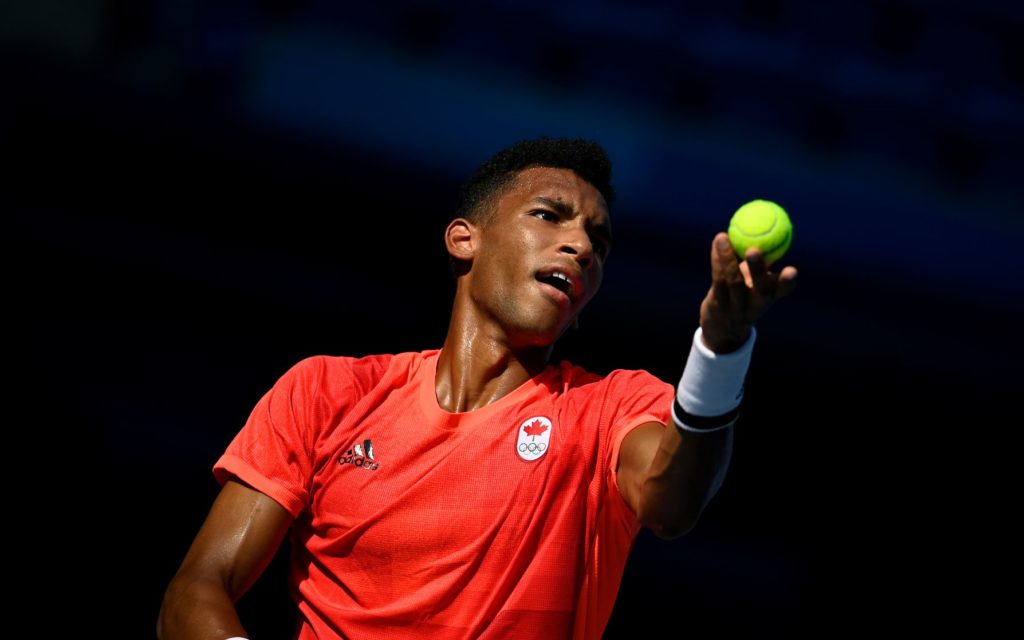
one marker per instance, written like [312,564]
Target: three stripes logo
[360,455]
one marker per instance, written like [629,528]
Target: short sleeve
[273,452]
[634,398]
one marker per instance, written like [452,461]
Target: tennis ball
[762,224]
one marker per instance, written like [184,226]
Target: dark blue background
[204,193]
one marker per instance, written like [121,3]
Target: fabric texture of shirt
[410,521]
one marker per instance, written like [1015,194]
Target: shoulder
[357,364]
[619,381]
[334,371]
[616,402]
[633,379]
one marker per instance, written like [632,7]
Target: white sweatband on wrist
[711,389]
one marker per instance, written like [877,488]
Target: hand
[740,293]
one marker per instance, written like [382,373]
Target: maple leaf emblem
[535,428]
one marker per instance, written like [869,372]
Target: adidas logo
[360,455]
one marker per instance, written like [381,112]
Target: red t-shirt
[503,522]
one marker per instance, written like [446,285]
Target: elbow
[670,525]
[161,626]
[670,530]
[161,621]
[182,607]
[173,596]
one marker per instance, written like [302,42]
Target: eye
[544,214]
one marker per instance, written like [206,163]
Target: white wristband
[711,388]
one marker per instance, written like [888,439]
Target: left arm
[667,475]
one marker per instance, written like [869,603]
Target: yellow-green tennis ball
[762,224]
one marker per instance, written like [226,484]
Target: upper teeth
[560,275]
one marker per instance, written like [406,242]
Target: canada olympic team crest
[534,438]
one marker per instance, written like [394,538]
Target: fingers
[745,270]
[725,266]
[760,279]
[762,285]
[787,282]
[769,285]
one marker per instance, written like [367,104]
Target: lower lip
[557,294]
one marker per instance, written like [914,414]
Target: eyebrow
[563,209]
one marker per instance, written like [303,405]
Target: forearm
[693,452]
[198,609]
[236,543]
[686,472]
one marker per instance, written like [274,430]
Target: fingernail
[722,243]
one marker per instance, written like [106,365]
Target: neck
[479,365]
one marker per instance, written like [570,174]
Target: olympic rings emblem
[534,438]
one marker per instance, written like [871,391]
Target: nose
[577,244]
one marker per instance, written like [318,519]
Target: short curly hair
[584,157]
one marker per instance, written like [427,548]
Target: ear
[460,238]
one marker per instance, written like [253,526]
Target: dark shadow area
[177,254]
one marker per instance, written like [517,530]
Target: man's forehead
[560,185]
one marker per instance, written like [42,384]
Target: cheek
[596,278]
[528,240]
[512,256]
[520,253]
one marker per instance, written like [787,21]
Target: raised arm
[236,543]
[668,475]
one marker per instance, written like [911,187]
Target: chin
[539,327]
[539,336]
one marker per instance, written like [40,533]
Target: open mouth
[559,281]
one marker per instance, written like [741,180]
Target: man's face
[540,257]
